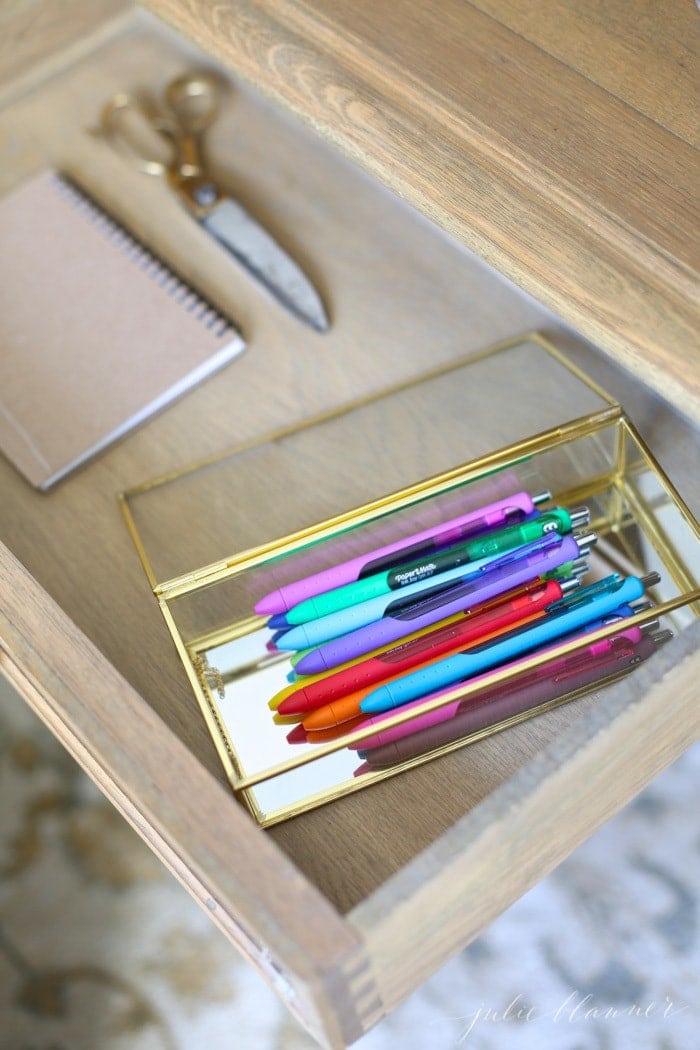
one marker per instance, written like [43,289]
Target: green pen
[490,545]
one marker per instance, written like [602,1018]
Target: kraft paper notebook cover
[96,334]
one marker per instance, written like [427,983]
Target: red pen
[515,607]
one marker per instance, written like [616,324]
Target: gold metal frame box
[360,477]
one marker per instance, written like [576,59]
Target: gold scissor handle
[163,143]
[138,133]
[194,101]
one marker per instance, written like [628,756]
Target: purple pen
[404,617]
[494,515]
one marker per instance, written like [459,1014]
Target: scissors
[168,143]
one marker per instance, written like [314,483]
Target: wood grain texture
[234,871]
[644,55]
[572,193]
[489,859]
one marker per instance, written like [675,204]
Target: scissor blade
[255,249]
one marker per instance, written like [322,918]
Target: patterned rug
[100,949]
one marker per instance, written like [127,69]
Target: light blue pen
[592,603]
[325,628]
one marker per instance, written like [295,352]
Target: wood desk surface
[553,138]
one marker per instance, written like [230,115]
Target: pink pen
[494,703]
[494,515]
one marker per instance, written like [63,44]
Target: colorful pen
[562,675]
[493,515]
[491,545]
[461,666]
[535,682]
[344,621]
[515,606]
[569,574]
[345,708]
[402,616]
[579,568]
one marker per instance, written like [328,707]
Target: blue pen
[608,596]
[352,618]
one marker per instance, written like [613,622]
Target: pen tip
[269,605]
[363,768]
[297,735]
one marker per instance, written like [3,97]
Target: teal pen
[490,545]
[570,614]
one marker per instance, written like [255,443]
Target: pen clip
[549,540]
[609,650]
[594,590]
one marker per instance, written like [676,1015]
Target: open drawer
[345,909]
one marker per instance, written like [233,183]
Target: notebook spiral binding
[135,250]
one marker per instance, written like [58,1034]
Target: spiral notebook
[96,333]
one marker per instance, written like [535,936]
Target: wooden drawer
[347,908]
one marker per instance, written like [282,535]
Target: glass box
[218,536]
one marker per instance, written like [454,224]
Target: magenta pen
[495,703]
[495,515]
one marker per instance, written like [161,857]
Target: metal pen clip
[549,540]
[594,590]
